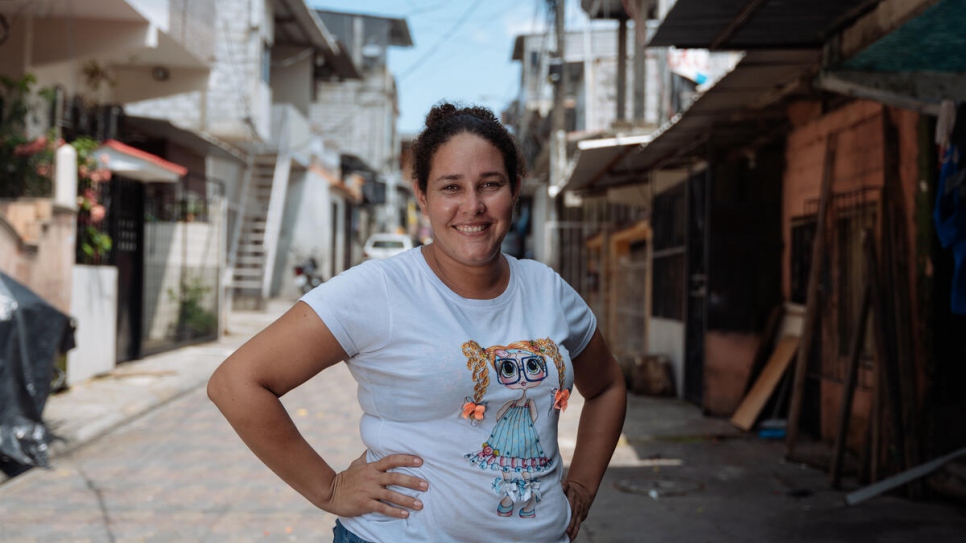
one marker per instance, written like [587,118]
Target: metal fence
[614,286]
[183,248]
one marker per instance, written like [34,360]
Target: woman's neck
[472,282]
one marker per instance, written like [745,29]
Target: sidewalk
[676,475]
[95,407]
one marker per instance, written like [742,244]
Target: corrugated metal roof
[736,111]
[906,50]
[754,24]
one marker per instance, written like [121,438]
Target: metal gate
[630,308]
[697,270]
[614,288]
[126,228]
[184,245]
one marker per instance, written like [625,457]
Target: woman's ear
[420,197]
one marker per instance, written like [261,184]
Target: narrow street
[181,474]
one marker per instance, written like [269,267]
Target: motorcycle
[306,275]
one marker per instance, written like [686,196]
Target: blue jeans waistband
[345,536]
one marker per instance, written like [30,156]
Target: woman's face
[468,200]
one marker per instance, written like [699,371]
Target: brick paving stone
[151,460]
[181,474]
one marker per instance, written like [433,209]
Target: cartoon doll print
[513,448]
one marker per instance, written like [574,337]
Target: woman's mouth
[472,229]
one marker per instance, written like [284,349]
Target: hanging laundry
[949,213]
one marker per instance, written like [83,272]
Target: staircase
[251,256]
[254,254]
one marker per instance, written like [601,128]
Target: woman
[464,358]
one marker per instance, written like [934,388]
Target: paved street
[149,459]
[181,474]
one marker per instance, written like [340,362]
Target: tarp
[32,334]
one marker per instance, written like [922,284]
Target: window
[266,63]
[803,237]
[669,221]
[850,280]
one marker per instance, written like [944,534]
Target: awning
[916,63]
[753,24]
[353,194]
[199,142]
[738,110]
[136,164]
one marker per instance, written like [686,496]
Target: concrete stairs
[251,254]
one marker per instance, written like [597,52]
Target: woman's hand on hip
[363,487]
[580,499]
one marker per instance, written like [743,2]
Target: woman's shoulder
[534,271]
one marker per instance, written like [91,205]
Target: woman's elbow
[219,386]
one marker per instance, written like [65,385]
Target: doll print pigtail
[561,395]
[477,362]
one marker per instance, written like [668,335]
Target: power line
[459,22]
[425,9]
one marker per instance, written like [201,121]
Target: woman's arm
[601,383]
[247,387]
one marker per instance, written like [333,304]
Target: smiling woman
[452,339]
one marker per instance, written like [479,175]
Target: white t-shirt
[423,356]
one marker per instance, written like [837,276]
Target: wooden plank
[812,306]
[848,389]
[751,406]
[885,366]
[765,346]
[896,253]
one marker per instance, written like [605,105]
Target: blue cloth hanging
[949,214]
[958,297]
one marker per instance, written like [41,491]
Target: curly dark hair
[446,120]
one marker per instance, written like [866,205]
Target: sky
[461,49]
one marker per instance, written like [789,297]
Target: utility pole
[558,67]
[622,68]
[558,134]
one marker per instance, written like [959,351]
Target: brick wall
[860,161]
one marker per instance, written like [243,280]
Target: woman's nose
[474,204]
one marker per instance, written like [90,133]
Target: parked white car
[385,245]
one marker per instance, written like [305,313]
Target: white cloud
[525,19]
[532,18]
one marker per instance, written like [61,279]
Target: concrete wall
[307,230]
[179,246]
[234,91]
[37,247]
[727,357]
[94,306]
[355,117]
[666,337]
[292,77]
